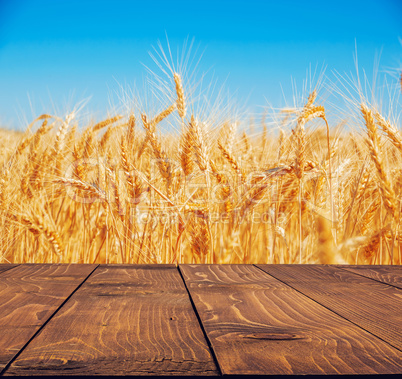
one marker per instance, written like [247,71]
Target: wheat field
[126,191]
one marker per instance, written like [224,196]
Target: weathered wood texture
[374,306]
[5,267]
[386,274]
[124,320]
[259,325]
[29,295]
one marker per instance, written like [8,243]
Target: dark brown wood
[29,295]
[387,274]
[372,305]
[6,266]
[259,325]
[124,320]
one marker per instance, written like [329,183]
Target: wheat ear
[181,100]
[37,226]
[102,124]
[232,160]
[83,186]
[200,239]
[134,186]
[200,144]
[225,191]
[374,144]
[161,116]
[187,148]
[392,132]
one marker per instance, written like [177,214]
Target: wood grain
[125,320]
[386,274]
[29,295]
[6,266]
[372,305]
[258,325]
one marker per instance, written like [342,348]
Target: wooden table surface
[201,320]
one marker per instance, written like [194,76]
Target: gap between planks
[358,299]
[141,323]
[12,357]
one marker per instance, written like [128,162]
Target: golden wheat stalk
[105,139]
[161,116]
[200,144]
[181,100]
[88,188]
[392,132]
[187,148]
[39,226]
[162,161]
[102,124]
[232,160]
[32,164]
[200,239]
[61,136]
[130,130]
[134,186]
[225,190]
[300,159]
[369,249]
[41,117]
[374,145]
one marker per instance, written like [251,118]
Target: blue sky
[56,53]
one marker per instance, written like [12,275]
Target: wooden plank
[372,305]
[258,325]
[125,320]
[6,266]
[29,295]
[387,274]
